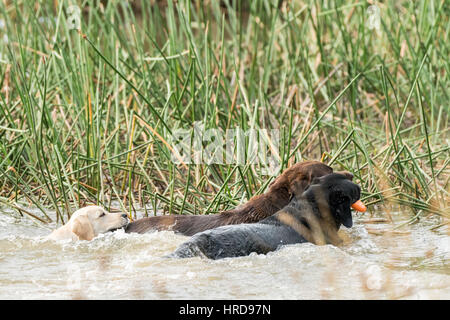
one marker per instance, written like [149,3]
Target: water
[411,264]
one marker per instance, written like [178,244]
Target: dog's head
[298,177]
[334,193]
[90,221]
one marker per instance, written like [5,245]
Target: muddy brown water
[411,263]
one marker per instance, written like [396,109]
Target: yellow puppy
[88,222]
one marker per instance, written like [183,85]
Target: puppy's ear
[344,213]
[82,227]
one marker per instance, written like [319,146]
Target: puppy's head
[334,193]
[90,221]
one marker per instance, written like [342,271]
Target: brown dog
[292,182]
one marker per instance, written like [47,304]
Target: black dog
[315,217]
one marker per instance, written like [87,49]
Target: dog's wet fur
[291,183]
[314,216]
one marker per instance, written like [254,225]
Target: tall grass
[86,116]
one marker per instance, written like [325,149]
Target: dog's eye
[339,198]
[102,215]
[342,199]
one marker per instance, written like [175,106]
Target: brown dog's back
[293,181]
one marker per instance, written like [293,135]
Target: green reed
[86,115]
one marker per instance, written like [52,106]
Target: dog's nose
[124,215]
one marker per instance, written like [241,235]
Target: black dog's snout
[357,194]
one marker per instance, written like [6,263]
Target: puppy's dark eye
[102,215]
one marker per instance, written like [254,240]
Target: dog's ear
[313,194]
[299,186]
[82,227]
[347,174]
[316,180]
[344,213]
